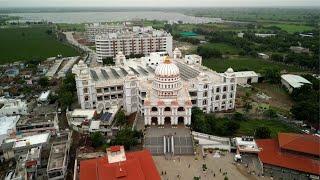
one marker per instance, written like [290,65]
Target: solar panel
[134,71]
[106,116]
[94,75]
[105,74]
[115,73]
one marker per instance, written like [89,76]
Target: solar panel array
[94,75]
[183,145]
[106,116]
[105,74]
[154,144]
[187,72]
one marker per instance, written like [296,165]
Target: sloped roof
[294,80]
[304,143]
[270,154]
[138,166]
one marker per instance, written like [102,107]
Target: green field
[292,28]
[248,127]
[30,43]
[71,27]
[224,48]
[246,63]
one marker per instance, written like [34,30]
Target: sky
[157,3]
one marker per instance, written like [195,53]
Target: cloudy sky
[156,3]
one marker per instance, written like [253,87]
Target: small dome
[167,68]
[230,70]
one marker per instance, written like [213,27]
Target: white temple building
[161,88]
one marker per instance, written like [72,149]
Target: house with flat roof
[13,107]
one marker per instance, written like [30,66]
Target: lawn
[276,126]
[246,63]
[224,48]
[292,28]
[30,43]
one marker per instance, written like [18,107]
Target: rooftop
[29,140]
[245,74]
[294,80]
[246,144]
[270,154]
[305,143]
[136,166]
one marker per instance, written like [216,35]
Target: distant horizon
[158,3]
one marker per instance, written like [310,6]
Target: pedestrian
[214,174]
[220,169]
[165,172]
[189,166]
[161,172]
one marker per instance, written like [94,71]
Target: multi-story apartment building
[92,30]
[143,85]
[140,40]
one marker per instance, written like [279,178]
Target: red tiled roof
[309,144]
[115,148]
[271,154]
[138,166]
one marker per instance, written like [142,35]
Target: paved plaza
[154,139]
[169,169]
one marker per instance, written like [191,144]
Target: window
[232,87]
[85,90]
[204,102]
[224,96]
[99,90]
[167,109]
[224,88]
[205,86]
[205,94]
[181,109]
[218,89]
[99,98]
[217,97]
[86,98]
[231,95]
[154,109]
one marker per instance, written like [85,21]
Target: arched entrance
[154,121]
[167,121]
[180,120]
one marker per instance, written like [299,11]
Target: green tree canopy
[97,139]
[262,132]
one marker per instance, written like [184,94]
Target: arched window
[154,109]
[167,109]
[231,95]
[204,102]
[181,109]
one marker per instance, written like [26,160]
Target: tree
[277,57]
[126,137]
[208,51]
[262,132]
[230,127]
[239,116]
[270,113]
[44,81]
[108,61]
[97,139]
[272,75]
[120,118]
